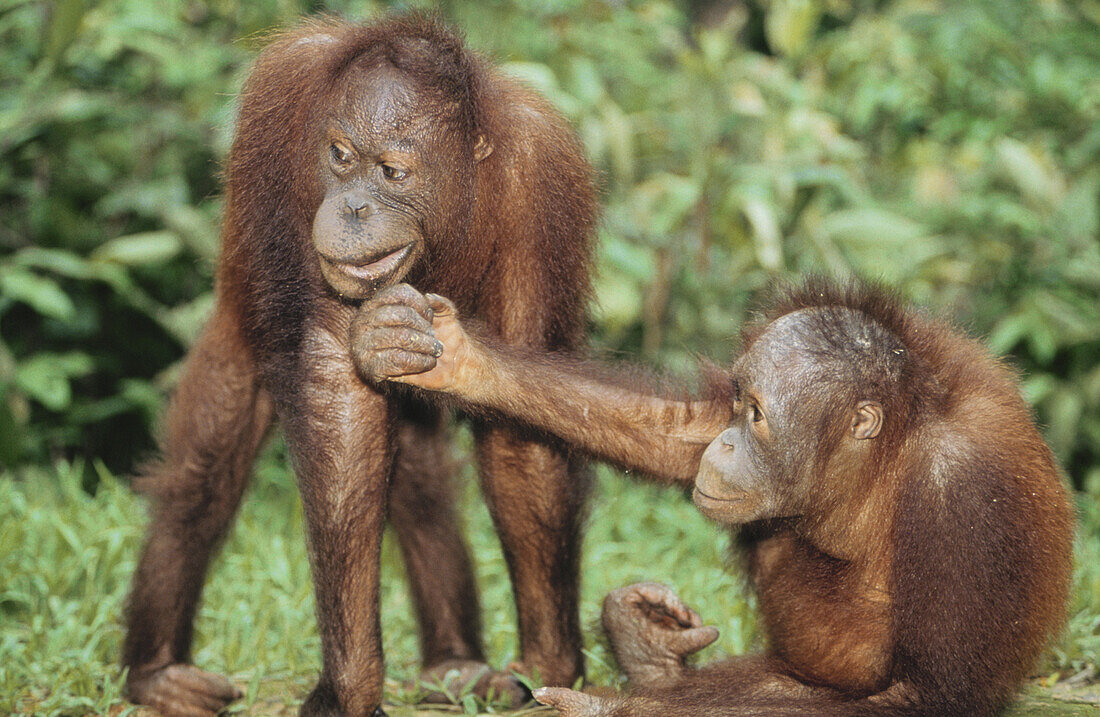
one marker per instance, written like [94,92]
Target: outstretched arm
[402,335]
[750,686]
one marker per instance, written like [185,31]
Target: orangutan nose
[358,203]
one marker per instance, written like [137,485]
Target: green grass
[66,559]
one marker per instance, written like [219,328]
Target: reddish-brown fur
[513,249]
[901,519]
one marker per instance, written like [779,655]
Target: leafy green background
[951,149]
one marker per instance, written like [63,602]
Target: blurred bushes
[949,148]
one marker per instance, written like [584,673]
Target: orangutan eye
[342,157]
[756,413]
[394,173]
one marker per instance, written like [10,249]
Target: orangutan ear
[482,148]
[867,420]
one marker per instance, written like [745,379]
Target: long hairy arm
[620,416]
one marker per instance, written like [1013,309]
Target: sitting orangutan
[901,519]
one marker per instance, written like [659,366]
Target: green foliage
[948,148]
[114,118]
[952,149]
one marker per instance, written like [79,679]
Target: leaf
[38,292]
[765,233]
[618,300]
[139,249]
[45,377]
[1080,210]
[34,109]
[1063,413]
[66,17]
[1029,172]
[619,135]
[746,99]
[198,231]
[586,81]
[56,261]
[1009,331]
[631,259]
[1074,323]
[185,321]
[145,198]
[664,201]
[1036,387]
[1042,343]
[790,24]
[870,226]
[10,436]
[879,243]
[542,79]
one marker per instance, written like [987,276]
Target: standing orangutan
[901,520]
[364,156]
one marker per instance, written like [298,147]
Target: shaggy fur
[900,518]
[511,242]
